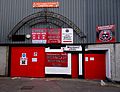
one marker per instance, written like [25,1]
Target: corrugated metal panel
[101,12]
[86,14]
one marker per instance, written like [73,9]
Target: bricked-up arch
[48,17]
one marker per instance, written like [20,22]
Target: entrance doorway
[95,66]
[27,62]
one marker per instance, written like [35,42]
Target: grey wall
[117,60]
[3,61]
[86,14]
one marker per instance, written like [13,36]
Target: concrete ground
[54,85]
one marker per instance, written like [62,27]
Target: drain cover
[27,87]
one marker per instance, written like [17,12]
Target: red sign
[45,4]
[39,35]
[46,35]
[54,35]
[56,59]
[105,33]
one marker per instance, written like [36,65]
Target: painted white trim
[80,64]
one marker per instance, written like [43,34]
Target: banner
[105,34]
[67,35]
[45,4]
[56,59]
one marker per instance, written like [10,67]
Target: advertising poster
[39,35]
[105,34]
[67,35]
[56,59]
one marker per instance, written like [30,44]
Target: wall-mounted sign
[56,59]
[39,35]
[105,33]
[35,54]
[23,59]
[52,35]
[67,35]
[34,59]
[45,4]
[72,48]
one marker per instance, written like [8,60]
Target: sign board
[56,59]
[23,61]
[39,35]
[34,59]
[67,35]
[52,35]
[105,33]
[72,48]
[45,4]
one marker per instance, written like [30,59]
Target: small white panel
[53,50]
[92,58]
[86,59]
[34,59]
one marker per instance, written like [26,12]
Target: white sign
[86,59]
[67,35]
[35,53]
[34,59]
[23,61]
[72,48]
[92,58]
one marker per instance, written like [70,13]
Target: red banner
[45,4]
[105,34]
[56,59]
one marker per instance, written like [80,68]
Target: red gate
[28,61]
[95,66]
[74,65]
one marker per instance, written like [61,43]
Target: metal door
[95,66]
[28,61]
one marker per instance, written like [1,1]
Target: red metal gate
[75,65]
[95,66]
[28,61]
